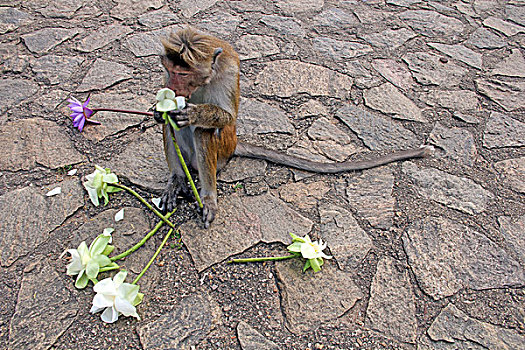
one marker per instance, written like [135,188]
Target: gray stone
[312,108]
[14,91]
[362,75]
[460,331]
[12,60]
[104,74]
[432,24]
[507,28]
[455,192]
[134,8]
[286,78]
[370,195]
[481,6]
[250,339]
[220,24]
[466,9]
[460,53]
[392,308]
[102,37]
[368,15]
[284,25]
[260,118]
[28,217]
[330,141]
[462,100]
[340,50]
[508,94]
[113,123]
[241,222]
[57,8]
[427,69]
[302,195]
[335,19]
[395,72]
[256,46]
[447,256]
[44,310]
[240,168]
[304,148]
[36,142]
[189,322]
[294,6]
[158,19]
[190,7]
[11,19]
[309,300]
[512,173]
[457,144]
[467,118]
[503,131]
[387,99]
[514,233]
[146,44]
[403,3]
[377,132]
[389,39]
[512,66]
[142,163]
[348,242]
[56,69]
[515,14]
[45,39]
[484,39]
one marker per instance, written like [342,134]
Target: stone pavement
[429,254]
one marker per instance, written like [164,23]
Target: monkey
[206,71]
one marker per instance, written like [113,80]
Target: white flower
[116,298]
[313,251]
[168,102]
[97,184]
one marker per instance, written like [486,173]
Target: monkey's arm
[207,116]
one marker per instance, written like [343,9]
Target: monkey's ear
[216,54]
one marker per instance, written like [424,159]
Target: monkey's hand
[183,117]
[158,117]
[176,186]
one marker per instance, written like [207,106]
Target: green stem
[94,280]
[95,110]
[270,258]
[124,187]
[153,257]
[182,162]
[108,268]
[142,241]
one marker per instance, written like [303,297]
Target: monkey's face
[184,80]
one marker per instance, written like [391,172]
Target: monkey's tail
[251,151]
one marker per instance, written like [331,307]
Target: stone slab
[502,130]
[512,173]
[388,99]
[103,74]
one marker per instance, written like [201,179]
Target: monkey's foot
[209,210]
[176,187]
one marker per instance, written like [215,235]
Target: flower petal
[308,251]
[75,266]
[106,287]
[180,101]
[101,301]
[125,307]
[82,280]
[128,291]
[92,269]
[99,244]
[101,260]
[109,315]
[119,215]
[165,106]
[119,278]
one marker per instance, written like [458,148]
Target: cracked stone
[36,142]
[462,100]
[389,100]
[427,69]
[509,95]
[284,25]
[45,39]
[134,8]
[389,39]
[113,123]
[250,339]
[158,19]
[12,60]
[104,74]
[142,163]
[456,330]
[503,131]
[309,299]
[221,24]
[514,233]
[363,78]
[377,132]
[507,28]
[484,39]
[348,242]
[241,222]
[403,3]
[102,37]
[330,141]
[447,256]
[190,7]
[256,46]
[394,72]
[240,168]
[455,192]
[457,143]
[294,6]
[432,24]
[11,19]
[303,196]
[392,308]
[305,149]
[189,323]
[512,66]
[19,90]
[56,69]
[22,233]
[335,19]
[260,118]
[340,50]
[312,108]
[148,43]
[370,195]
[56,8]
[512,173]
[515,14]
[286,78]
[369,16]
[44,310]
[460,53]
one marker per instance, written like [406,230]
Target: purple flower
[81,113]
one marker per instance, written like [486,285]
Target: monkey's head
[190,60]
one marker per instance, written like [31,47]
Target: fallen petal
[54,191]
[119,215]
